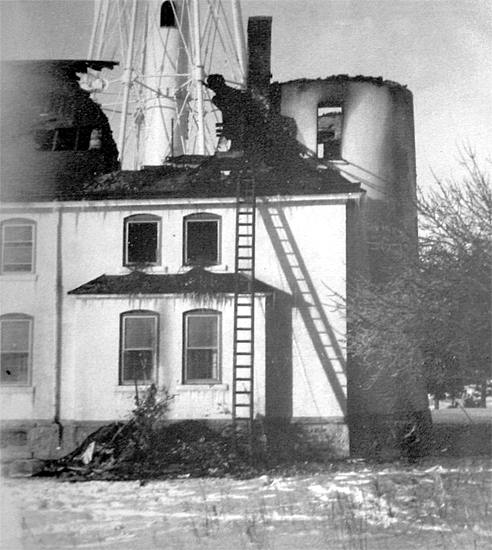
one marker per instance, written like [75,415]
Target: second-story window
[142,240]
[17,246]
[201,239]
[329,133]
[68,139]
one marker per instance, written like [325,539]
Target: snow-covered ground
[394,507]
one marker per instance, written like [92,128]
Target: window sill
[202,387]
[11,388]
[19,276]
[131,388]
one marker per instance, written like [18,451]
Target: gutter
[59,324]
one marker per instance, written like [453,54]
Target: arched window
[15,349]
[201,239]
[139,331]
[142,240]
[17,238]
[168,14]
[202,336]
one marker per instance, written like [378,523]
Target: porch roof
[195,281]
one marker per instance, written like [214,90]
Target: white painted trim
[159,204]
[202,387]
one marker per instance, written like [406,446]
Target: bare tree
[434,310]
[456,263]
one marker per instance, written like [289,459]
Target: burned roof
[45,98]
[216,177]
[197,281]
[345,78]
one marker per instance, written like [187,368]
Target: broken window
[142,240]
[68,139]
[17,246]
[168,14]
[201,239]
[201,355]
[15,356]
[138,357]
[329,133]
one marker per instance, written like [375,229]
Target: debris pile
[124,451]
[147,445]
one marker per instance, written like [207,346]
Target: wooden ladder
[244,306]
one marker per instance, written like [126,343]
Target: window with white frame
[15,348]
[201,239]
[202,346]
[138,350]
[18,246]
[142,240]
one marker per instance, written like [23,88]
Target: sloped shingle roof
[195,281]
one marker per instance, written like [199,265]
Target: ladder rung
[244,341]
[243,353]
[242,405]
[242,392]
[244,379]
[244,316]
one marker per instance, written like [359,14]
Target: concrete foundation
[38,441]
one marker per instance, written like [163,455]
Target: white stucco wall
[93,245]
[34,294]
[93,237]
[316,239]
[92,390]
[305,231]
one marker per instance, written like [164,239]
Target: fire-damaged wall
[376,145]
[364,128]
[312,145]
[54,137]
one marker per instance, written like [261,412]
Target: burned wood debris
[148,446]
[125,451]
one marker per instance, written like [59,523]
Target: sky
[440,49]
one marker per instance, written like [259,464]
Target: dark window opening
[201,241]
[141,241]
[138,358]
[329,133]
[68,139]
[168,14]
[201,354]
